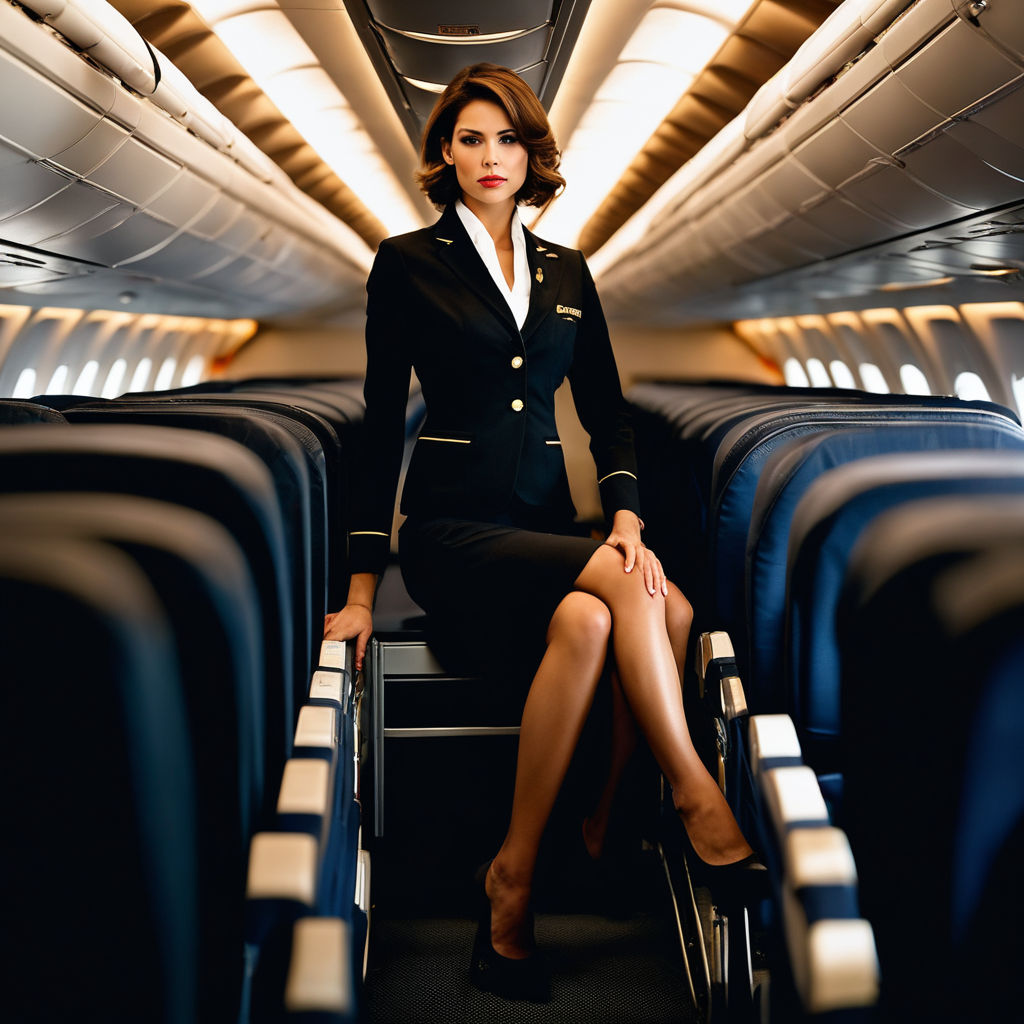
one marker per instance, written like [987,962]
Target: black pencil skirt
[490,589]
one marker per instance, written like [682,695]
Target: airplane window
[86,379]
[818,374]
[794,373]
[913,380]
[873,378]
[115,379]
[970,387]
[166,375]
[841,374]
[141,375]
[26,386]
[59,380]
[193,371]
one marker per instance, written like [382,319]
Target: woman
[493,319]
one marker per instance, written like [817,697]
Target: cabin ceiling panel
[764,40]
[416,48]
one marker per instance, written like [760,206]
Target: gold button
[517,361]
[517,404]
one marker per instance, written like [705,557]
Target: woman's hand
[354,621]
[625,536]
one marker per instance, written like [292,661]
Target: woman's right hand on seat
[354,621]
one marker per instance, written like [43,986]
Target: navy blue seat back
[210,474]
[782,481]
[827,523]
[98,875]
[741,457]
[209,600]
[932,641]
[295,461]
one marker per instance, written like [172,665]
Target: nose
[490,154]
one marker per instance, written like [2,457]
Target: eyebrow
[474,131]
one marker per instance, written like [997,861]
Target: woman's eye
[509,138]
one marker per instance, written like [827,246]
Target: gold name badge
[570,310]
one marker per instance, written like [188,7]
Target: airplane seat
[201,471]
[207,595]
[17,410]
[318,422]
[931,629]
[783,474]
[99,860]
[739,456]
[826,524]
[295,460]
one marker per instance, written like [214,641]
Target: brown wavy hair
[499,85]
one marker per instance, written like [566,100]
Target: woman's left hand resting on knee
[625,536]
[355,620]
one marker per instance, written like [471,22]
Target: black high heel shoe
[525,979]
[740,882]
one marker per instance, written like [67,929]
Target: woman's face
[489,160]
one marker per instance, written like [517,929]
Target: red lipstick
[491,181]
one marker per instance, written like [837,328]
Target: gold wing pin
[540,248]
[447,241]
[540,275]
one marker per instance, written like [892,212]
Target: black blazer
[489,388]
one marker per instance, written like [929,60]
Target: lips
[491,181]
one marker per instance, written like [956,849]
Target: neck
[496,217]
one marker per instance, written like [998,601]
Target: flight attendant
[493,319]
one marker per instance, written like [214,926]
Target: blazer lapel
[546,271]
[456,249]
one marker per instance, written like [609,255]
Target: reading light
[670,47]
[278,59]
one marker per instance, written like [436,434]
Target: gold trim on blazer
[447,440]
[618,472]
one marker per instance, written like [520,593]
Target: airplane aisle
[626,968]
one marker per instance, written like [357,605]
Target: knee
[678,612]
[583,619]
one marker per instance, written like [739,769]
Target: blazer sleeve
[386,394]
[603,411]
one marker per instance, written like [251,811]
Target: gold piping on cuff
[449,440]
[618,472]
[367,533]
[559,443]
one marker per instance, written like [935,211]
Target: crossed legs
[648,635]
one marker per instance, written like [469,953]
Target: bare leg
[678,619]
[650,680]
[556,708]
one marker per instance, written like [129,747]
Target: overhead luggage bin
[99,894]
[931,632]
[201,471]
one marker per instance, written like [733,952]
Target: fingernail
[664,589]
[629,568]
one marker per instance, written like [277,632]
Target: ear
[446,152]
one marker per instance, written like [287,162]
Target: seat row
[788,513]
[179,551]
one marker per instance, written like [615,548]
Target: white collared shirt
[518,296]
